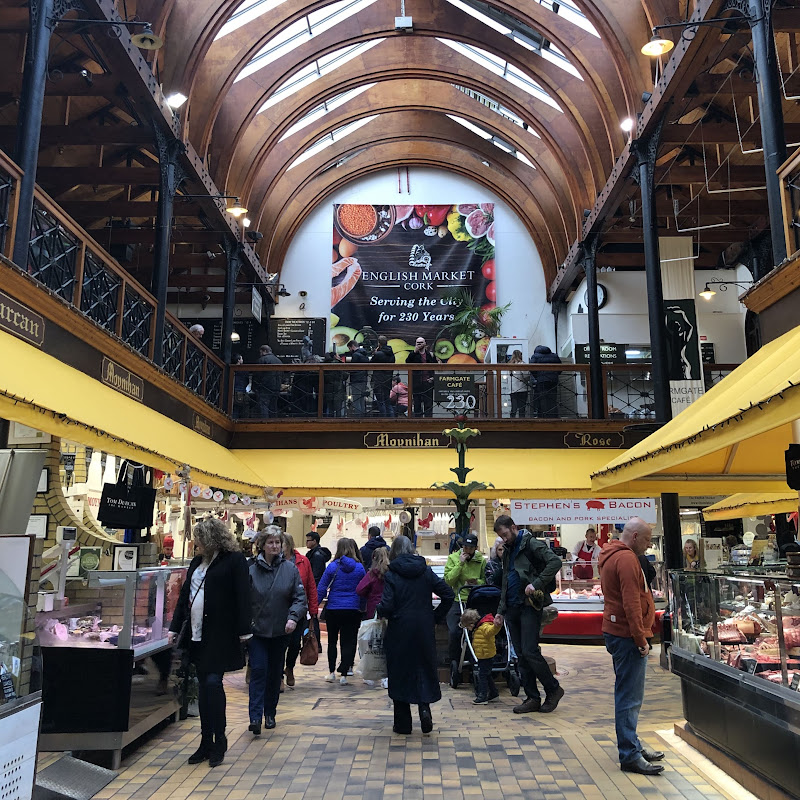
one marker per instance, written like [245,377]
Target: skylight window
[247,12]
[311,72]
[302,31]
[570,12]
[323,108]
[331,138]
[497,108]
[503,69]
[490,137]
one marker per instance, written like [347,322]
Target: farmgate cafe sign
[594,511]
[378,440]
[122,380]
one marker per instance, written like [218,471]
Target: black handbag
[127,503]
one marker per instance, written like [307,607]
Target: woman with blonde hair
[371,586]
[211,620]
[278,606]
[343,607]
[303,565]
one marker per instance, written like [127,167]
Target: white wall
[520,279]
[624,317]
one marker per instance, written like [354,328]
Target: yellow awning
[41,392]
[749,504]
[734,436]
[402,473]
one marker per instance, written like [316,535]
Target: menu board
[286,335]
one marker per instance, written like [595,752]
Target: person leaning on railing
[544,384]
[267,384]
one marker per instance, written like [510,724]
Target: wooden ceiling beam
[97,176]
[97,209]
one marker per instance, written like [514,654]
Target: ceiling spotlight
[87,76]
[147,40]
[627,124]
[707,293]
[176,99]
[236,209]
[657,46]
[246,222]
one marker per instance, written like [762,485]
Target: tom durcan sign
[20,321]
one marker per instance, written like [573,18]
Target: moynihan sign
[403,441]
[121,379]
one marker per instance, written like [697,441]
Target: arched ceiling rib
[572,160]
[398,95]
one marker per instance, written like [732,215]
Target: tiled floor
[335,742]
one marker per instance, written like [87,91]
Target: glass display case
[15,564]
[98,694]
[736,649]
[124,609]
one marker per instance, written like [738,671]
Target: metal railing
[789,175]
[65,259]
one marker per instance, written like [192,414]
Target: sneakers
[530,704]
[350,671]
[331,678]
[480,701]
[384,683]
[343,680]
[551,700]
[290,677]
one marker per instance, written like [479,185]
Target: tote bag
[127,504]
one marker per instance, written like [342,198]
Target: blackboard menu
[286,335]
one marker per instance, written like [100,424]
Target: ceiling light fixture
[235,337]
[282,291]
[657,46]
[236,209]
[246,222]
[707,293]
[176,99]
[627,124]
[144,40]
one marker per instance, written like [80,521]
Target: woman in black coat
[211,621]
[410,641]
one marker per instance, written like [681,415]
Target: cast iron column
[770,112]
[44,15]
[646,150]
[171,177]
[234,259]
[595,365]
[671,527]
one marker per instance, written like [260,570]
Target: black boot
[402,718]
[425,718]
[217,754]
[202,752]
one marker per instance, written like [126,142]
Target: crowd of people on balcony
[364,392]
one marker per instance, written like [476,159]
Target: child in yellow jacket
[483,632]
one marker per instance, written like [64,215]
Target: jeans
[545,400]
[423,400]
[385,408]
[456,633]
[358,391]
[518,402]
[342,623]
[211,700]
[295,643]
[267,403]
[524,623]
[266,667]
[485,687]
[629,670]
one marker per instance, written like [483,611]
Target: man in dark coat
[422,380]
[410,642]
[545,384]
[267,385]
[318,556]
[358,378]
[375,542]
[382,381]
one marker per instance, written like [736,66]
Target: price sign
[455,391]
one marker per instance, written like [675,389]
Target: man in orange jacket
[628,617]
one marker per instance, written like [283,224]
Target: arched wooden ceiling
[414,77]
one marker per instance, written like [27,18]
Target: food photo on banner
[398,271]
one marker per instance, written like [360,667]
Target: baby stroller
[485,600]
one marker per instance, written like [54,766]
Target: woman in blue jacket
[343,606]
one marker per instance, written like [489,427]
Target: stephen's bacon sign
[576,511]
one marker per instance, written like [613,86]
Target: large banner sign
[684,363]
[580,512]
[397,268]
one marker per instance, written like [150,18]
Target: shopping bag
[372,666]
[127,504]
[309,651]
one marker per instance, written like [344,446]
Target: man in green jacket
[464,568]
[529,571]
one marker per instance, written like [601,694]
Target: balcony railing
[65,259]
[789,174]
